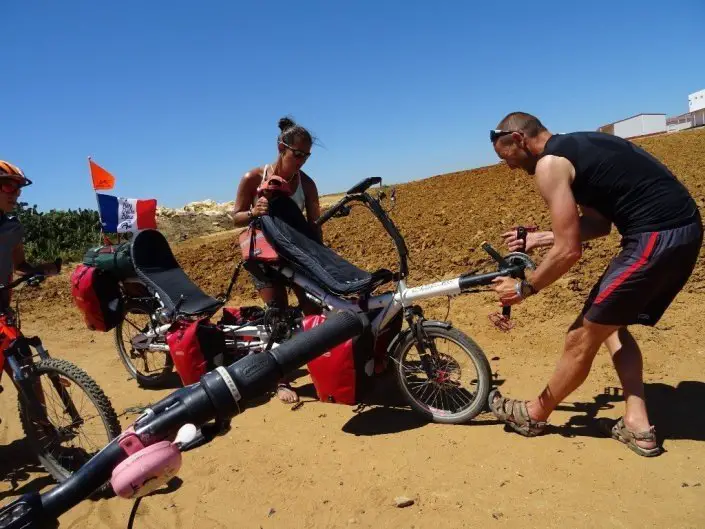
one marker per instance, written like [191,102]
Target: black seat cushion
[285,209]
[319,262]
[157,267]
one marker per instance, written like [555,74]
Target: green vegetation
[65,234]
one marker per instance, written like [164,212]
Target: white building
[695,117]
[686,121]
[696,101]
[639,125]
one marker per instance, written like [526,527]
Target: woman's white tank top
[298,196]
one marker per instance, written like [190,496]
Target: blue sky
[178,99]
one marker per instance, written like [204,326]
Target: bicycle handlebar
[34,277]
[468,281]
[219,395]
[24,279]
[330,212]
[364,185]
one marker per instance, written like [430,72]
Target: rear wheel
[448,383]
[144,354]
[79,419]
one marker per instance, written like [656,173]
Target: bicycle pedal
[500,321]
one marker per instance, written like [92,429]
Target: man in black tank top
[589,181]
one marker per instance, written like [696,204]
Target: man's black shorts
[644,278]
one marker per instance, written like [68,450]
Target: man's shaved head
[522,122]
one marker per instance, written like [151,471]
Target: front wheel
[450,381]
[78,419]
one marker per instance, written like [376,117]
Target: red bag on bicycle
[255,247]
[192,346]
[97,295]
[343,374]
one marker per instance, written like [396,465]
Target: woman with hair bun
[294,145]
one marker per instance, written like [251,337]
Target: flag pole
[103,237]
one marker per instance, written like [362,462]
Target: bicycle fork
[425,347]
[29,385]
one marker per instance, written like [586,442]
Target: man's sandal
[618,430]
[514,414]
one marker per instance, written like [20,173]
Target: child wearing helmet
[12,258]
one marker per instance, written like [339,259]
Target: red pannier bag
[255,247]
[343,374]
[97,295]
[193,345]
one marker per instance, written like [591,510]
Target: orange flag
[102,179]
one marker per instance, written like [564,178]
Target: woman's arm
[312,201]
[246,192]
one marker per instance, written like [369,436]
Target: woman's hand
[261,207]
[515,244]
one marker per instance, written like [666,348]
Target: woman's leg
[308,307]
[275,295]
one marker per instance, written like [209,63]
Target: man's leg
[627,360]
[582,342]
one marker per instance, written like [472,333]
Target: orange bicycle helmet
[11,171]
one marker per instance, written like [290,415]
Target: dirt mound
[444,220]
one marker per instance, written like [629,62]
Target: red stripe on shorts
[621,278]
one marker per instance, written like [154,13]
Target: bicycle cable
[133,513]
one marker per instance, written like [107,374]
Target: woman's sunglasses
[297,153]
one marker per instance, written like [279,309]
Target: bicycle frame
[232,332]
[403,296]
[393,302]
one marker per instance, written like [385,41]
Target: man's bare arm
[553,177]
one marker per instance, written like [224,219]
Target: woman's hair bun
[286,123]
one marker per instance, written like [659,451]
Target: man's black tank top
[624,182]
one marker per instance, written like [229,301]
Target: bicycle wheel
[80,419]
[449,385]
[147,360]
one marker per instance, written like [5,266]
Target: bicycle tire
[471,349]
[81,379]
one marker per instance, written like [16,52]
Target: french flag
[122,215]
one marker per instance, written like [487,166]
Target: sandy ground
[324,465]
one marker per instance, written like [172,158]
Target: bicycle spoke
[452,382]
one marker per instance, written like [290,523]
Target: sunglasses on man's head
[497,134]
[297,153]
